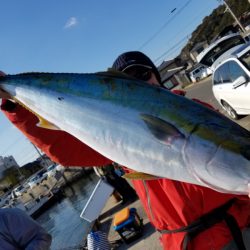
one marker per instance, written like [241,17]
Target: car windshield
[245,59]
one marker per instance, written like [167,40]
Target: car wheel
[230,111]
[197,79]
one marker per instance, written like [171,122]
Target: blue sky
[86,36]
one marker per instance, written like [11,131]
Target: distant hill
[215,23]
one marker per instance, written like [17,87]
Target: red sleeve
[183,93]
[59,146]
[204,103]
[179,92]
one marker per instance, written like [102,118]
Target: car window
[221,75]
[168,84]
[235,71]
[245,59]
[217,78]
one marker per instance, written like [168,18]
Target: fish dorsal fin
[139,176]
[113,72]
[162,130]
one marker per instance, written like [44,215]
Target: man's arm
[20,230]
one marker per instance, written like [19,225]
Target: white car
[18,191]
[231,80]
[36,180]
[51,170]
[199,73]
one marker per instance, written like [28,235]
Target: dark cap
[133,59]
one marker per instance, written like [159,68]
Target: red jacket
[173,204]
[176,204]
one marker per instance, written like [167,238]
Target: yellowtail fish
[143,127]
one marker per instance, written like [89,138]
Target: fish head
[226,160]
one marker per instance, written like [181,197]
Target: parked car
[18,191]
[51,170]
[36,180]
[199,73]
[209,55]
[231,80]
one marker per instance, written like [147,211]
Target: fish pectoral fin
[162,130]
[46,124]
[139,176]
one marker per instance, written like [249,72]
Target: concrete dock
[149,238]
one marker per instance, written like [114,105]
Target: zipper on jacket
[148,199]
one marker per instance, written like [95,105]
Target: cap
[135,58]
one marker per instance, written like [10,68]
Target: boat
[34,206]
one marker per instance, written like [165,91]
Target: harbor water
[62,220]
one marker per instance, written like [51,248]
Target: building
[6,163]
[173,73]
[44,161]
[197,49]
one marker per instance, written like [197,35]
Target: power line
[173,47]
[26,152]
[27,158]
[171,54]
[184,38]
[189,23]
[165,24]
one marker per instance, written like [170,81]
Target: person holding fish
[188,216]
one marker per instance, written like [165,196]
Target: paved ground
[150,237]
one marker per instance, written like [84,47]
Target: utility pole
[37,150]
[40,154]
[21,176]
[235,18]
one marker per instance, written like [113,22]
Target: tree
[215,23]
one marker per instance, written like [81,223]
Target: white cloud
[72,21]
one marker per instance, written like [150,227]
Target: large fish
[143,127]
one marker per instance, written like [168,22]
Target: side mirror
[239,81]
